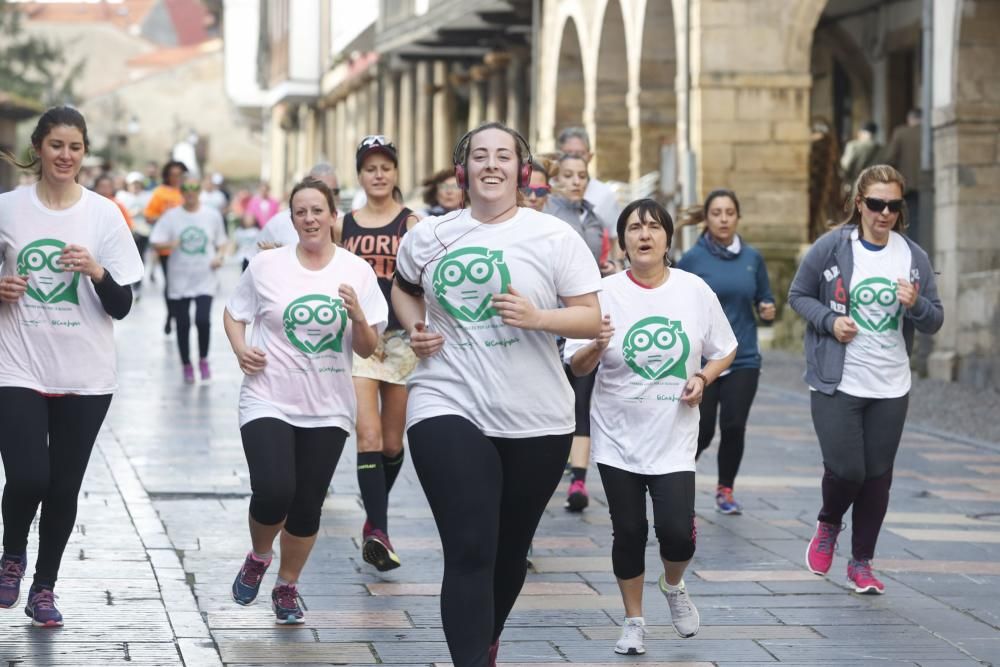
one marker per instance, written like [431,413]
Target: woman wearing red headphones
[490,413]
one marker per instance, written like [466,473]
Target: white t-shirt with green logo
[637,420]
[508,381]
[300,323]
[876,364]
[57,339]
[200,234]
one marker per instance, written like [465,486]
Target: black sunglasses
[876,205]
[190,187]
[539,191]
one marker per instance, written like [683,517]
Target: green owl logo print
[315,323]
[466,280]
[874,305]
[656,348]
[47,281]
[193,241]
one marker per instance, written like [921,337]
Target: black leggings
[487,495]
[673,517]
[859,438]
[734,393]
[290,472]
[164,263]
[45,443]
[180,310]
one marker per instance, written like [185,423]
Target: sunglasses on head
[876,205]
[374,140]
[538,191]
[190,187]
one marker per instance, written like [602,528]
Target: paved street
[162,532]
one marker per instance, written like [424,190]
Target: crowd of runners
[520,326]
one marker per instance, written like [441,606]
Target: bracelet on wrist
[701,375]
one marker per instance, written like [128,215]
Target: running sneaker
[859,575]
[494,650]
[377,550]
[247,583]
[633,634]
[203,370]
[41,607]
[683,613]
[724,501]
[188,374]
[285,603]
[819,554]
[11,572]
[577,499]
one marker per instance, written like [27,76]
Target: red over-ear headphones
[461,154]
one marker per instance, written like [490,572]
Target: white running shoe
[683,613]
[633,632]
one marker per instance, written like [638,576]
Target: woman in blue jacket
[737,274]
[862,288]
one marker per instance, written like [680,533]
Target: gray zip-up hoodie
[820,293]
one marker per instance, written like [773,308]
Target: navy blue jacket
[740,281]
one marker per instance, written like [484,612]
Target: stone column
[390,104]
[372,125]
[517,94]
[406,139]
[344,155]
[496,97]
[353,134]
[424,127]
[444,126]
[478,74]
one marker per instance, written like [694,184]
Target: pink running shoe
[494,650]
[577,498]
[204,370]
[859,575]
[819,555]
[188,374]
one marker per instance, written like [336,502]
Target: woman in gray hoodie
[862,288]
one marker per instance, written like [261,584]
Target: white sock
[281,581]
[667,586]
[264,557]
[637,620]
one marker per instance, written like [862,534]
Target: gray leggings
[858,436]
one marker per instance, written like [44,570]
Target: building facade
[754,95]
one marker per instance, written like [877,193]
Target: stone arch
[657,74]
[570,78]
[612,134]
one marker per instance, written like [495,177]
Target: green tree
[30,66]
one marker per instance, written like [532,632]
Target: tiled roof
[123,13]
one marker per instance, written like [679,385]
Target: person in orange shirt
[166,196]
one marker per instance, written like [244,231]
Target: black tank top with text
[378,246]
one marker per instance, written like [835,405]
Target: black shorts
[583,387]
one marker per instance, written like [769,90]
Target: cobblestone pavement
[162,531]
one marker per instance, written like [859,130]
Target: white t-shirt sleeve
[573,345]
[118,253]
[220,230]
[718,339]
[406,266]
[576,270]
[163,230]
[373,302]
[244,301]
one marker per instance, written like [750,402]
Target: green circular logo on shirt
[874,305]
[315,323]
[47,282]
[466,280]
[193,241]
[656,347]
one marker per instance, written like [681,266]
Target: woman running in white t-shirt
[658,325]
[68,259]
[312,306]
[490,413]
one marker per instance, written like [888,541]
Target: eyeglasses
[538,191]
[876,205]
[374,140]
[190,187]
